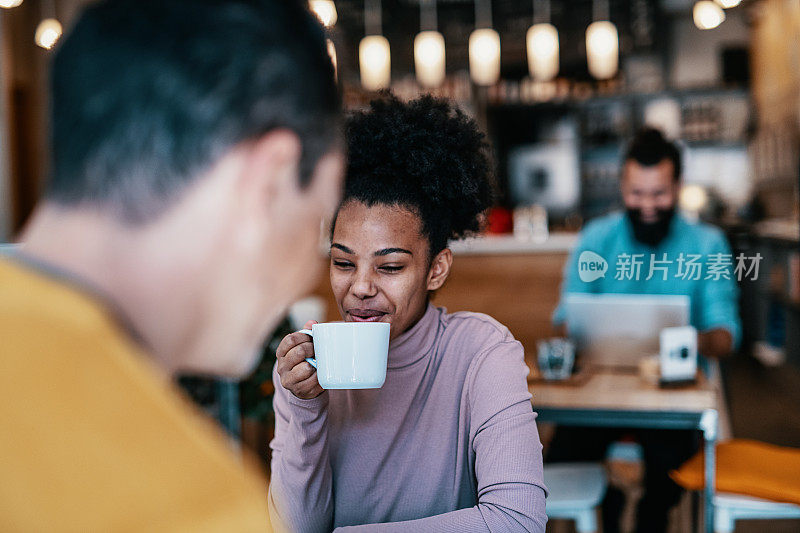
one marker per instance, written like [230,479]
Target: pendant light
[429,54]
[484,47]
[373,50]
[325,10]
[8,4]
[49,30]
[602,43]
[332,54]
[542,44]
[727,4]
[707,15]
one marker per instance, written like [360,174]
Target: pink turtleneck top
[448,444]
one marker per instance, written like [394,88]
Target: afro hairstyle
[425,155]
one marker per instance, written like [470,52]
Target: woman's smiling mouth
[365,315]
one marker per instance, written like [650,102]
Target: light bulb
[484,56]
[429,58]
[8,4]
[727,4]
[707,15]
[693,198]
[47,33]
[325,10]
[602,49]
[375,61]
[332,54]
[542,40]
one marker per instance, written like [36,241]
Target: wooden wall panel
[775,144]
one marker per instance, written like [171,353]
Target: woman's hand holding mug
[297,375]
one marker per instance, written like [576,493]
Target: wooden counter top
[508,244]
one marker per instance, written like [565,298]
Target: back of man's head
[149,93]
[649,147]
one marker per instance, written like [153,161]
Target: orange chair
[754,481]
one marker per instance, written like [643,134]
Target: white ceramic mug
[350,355]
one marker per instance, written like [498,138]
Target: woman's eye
[391,268]
[342,264]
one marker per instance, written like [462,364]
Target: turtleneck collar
[414,344]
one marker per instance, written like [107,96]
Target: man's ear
[271,165]
[440,269]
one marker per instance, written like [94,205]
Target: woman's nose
[364,286]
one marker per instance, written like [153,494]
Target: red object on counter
[501,220]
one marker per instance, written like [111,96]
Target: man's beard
[654,232]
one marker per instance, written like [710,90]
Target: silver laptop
[619,329]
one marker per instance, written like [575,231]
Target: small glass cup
[556,358]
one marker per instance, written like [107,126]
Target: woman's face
[380,268]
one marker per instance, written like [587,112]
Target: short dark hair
[649,147]
[425,155]
[147,94]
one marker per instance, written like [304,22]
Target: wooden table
[617,397]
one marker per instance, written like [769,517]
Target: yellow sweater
[93,437]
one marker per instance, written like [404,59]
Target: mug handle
[310,360]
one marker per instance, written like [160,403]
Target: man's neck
[116,262]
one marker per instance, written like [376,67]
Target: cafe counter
[510,245]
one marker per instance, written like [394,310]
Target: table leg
[229,416]
[709,423]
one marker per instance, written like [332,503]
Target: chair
[728,508]
[575,492]
[764,471]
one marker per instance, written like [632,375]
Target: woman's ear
[440,269]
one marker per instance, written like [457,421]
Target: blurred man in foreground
[196,148]
[676,258]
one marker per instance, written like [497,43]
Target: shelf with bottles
[601,181]
[700,117]
[530,92]
[600,171]
[606,124]
[712,120]
[561,91]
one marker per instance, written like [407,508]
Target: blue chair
[575,492]
[728,508]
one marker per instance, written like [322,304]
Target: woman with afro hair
[449,443]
